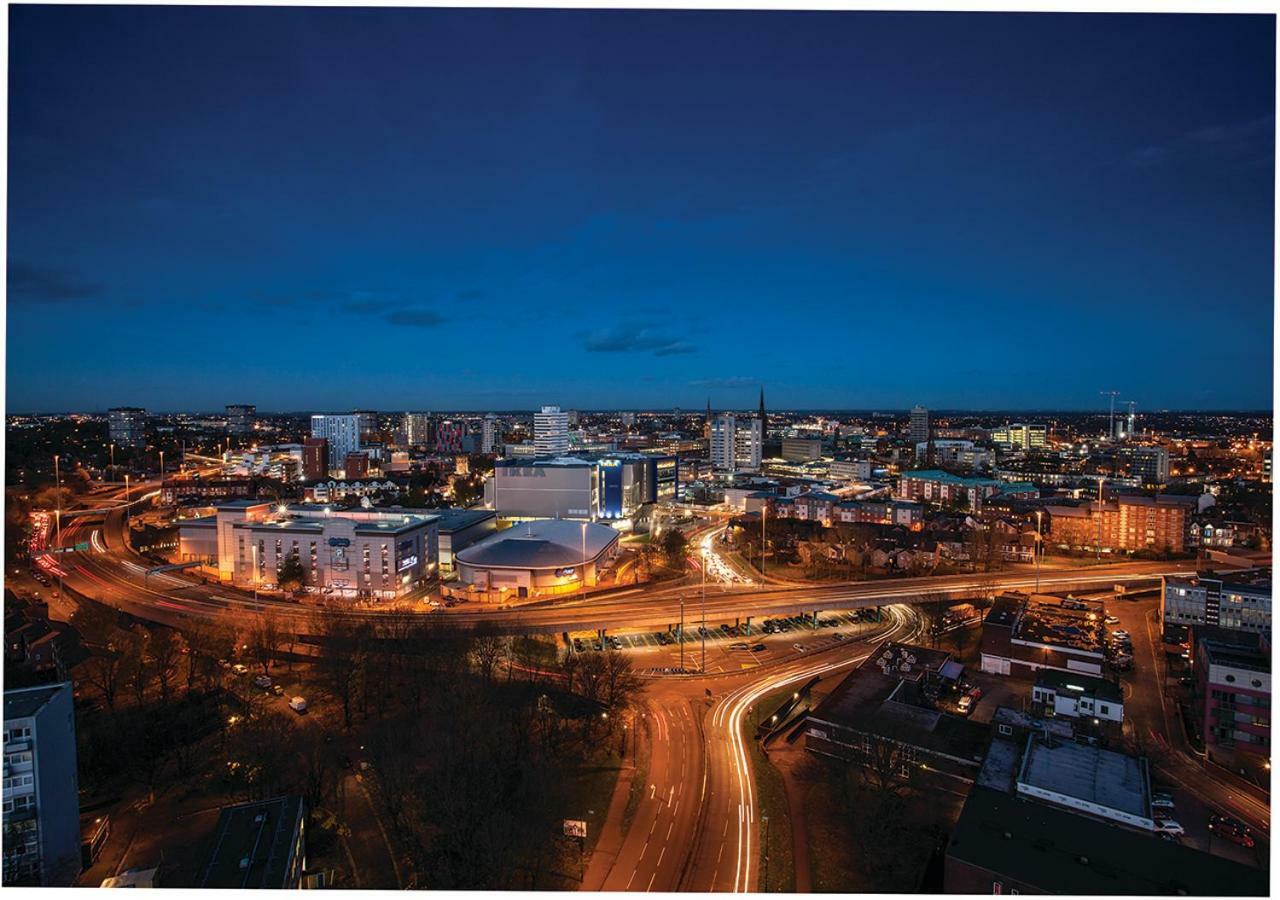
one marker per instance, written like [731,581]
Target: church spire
[762,402]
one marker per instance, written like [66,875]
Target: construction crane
[1111,422]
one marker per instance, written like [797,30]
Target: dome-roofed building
[536,559]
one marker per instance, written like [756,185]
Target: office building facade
[919,426]
[127,426]
[241,418]
[357,552]
[417,429]
[1021,436]
[489,434]
[551,431]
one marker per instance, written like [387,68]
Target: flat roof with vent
[1096,781]
[254,846]
[1034,847]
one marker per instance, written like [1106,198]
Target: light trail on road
[728,717]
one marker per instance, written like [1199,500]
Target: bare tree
[342,659]
[165,647]
[266,635]
[104,671]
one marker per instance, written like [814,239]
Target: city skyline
[793,199]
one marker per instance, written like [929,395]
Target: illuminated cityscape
[608,450]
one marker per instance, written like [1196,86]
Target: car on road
[1232,829]
[240,669]
[1161,800]
[838,636]
[1120,634]
[758,648]
[1169,826]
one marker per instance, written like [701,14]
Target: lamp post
[126,488]
[57,505]
[704,618]
[113,458]
[764,515]
[1039,514]
[584,559]
[680,635]
[162,467]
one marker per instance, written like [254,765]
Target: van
[298,704]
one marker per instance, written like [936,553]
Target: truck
[298,704]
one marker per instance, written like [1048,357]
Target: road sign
[575,828]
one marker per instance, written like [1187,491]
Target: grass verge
[778,871]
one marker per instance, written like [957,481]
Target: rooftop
[1079,684]
[872,702]
[23,703]
[1086,773]
[452,520]
[253,845]
[1061,852]
[543,544]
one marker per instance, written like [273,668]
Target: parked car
[739,645]
[1120,634]
[1161,801]
[1112,620]
[263,681]
[240,669]
[298,704]
[965,706]
[1169,826]
[799,647]
[758,648]
[277,689]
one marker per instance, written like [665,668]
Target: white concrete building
[341,431]
[737,442]
[358,552]
[551,431]
[489,434]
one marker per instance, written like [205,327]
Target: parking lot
[731,647]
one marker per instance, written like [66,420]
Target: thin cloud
[635,338]
[1243,137]
[731,381]
[414,318]
[48,283]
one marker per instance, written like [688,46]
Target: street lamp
[704,615]
[584,559]
[1039,538]
[764,515]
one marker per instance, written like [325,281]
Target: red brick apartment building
[1233,698]
[1124,524]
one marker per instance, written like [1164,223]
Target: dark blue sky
[325,208]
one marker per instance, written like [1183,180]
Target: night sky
[470,209]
